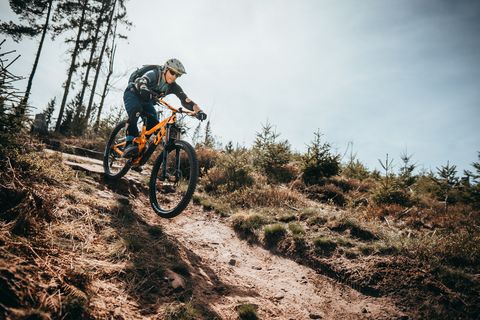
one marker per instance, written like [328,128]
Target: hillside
[76,246]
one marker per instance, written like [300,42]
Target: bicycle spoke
[114,163]
[173,180]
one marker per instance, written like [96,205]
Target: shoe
[131,150]
[138,169]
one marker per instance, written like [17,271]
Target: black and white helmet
[176,66]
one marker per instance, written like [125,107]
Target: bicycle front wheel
[173,181]
[114,165]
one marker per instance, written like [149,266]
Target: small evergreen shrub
[271,157]
[355,170]
[391,195]
[319,162]
[232,172]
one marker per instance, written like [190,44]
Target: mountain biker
[138,98]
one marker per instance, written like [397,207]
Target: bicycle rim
[172,183]
[114,165]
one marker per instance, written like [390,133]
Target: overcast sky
[387,75]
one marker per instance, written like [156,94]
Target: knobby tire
[108,173]
[192,180]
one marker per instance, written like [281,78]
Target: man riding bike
[138,98]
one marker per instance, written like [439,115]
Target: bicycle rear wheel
[172,183]
[114,165]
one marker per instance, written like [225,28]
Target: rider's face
[170,76]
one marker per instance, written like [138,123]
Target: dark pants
[135,107]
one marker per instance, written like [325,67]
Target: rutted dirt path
[281,288]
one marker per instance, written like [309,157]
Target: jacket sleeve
[147,79]
[178,91]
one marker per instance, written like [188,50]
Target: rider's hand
[201,115]
[145,93]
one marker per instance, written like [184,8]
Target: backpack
[141,71]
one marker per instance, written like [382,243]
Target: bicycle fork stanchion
[177,165]
[163,173]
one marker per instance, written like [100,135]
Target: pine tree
[71,7]
[319,162]
[93,37]
[474,183]
[197,135]
[406,177]
[271,155]
[30,12]
[447,181]
[209,141]
[9,95]
[100,58]
[229,147]
[49,111]
[66,125]
[79,120]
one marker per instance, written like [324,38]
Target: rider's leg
[133,105]
[152,119]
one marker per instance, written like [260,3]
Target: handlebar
[172,108]
[176,110]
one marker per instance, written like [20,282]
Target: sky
[383,76]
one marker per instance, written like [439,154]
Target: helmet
[175,65]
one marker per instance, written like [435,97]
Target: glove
[141,84]
[201,115]
[145,93]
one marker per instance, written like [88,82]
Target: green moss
[247,312]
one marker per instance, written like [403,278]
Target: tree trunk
[37,58]
[99,63]
[104,93]
[72,68]
[107,81]
[92,52]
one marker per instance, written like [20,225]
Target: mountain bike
[175,171]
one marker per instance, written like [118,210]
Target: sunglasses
[173,73]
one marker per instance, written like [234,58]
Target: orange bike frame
[161,127]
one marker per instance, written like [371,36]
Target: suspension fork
[177,164]
[163,174]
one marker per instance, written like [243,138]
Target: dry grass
[273,234]
[247,311]
[246,223]
[72,251]
[264,196]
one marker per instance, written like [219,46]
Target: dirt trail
[281,288]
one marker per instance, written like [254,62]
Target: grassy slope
[73,246]
[430,274]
